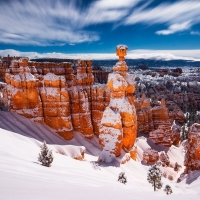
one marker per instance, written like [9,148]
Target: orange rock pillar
[119,123]
[192,157]
[56,106]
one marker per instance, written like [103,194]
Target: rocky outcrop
[164,159]
[192,157]
[144,115]
[150,156]
[23,95]
[157,121]
[100,100]
[52,94]
[119,122]
[56,108]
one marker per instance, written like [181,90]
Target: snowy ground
[22,177]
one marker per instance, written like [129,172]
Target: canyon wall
[60,95]
[192,157]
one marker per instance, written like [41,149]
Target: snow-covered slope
[22,177]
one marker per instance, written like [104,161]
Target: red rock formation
[41,92]
[100,100]
[119,122]
[144,115]
[150,156]
[56,106]
[164,158]
[162,135]
[23,95]
[192,157]
[164,131]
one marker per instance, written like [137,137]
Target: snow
[22,177]
[51,77]
[111,117]
[122,46]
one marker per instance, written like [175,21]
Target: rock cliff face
[55,94]
[192,157]
[56,107]
[23,95]
[144,115]
[157,121]
[119,122]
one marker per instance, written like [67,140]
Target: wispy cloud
[195,33]
[43,23]
[178,16]
[175,28]
[193,55]
[56,22]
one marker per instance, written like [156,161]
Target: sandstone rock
[125,158]
[192,157]
[150,156]
[56,106]
[133,153]
[23,95]
[100,100]
[164,158]
[144,115]
[162,135]
[119,122]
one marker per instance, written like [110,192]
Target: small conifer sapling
[176,167]
[154,177]
[168,189]
[45,155]
[122,178]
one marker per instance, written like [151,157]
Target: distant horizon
[190,55]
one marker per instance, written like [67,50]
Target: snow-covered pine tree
[45,155]
[154,177]
[122,178]
[168,189]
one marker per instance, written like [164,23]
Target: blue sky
[97,26]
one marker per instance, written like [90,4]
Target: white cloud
[27,22]
[43,23]
[175,28]
[132,54]
[195,33]
[178,16]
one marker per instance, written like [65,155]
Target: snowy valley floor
[22,177]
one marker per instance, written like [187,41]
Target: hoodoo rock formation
[70,96]
[58,95]
[192,157]
[157,122]
[119,122]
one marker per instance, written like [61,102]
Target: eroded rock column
[119,122]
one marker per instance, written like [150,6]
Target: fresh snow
[22,177]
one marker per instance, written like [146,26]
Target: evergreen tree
[45,155]
[168,189]
[176,167]
[154,177]
[122,178]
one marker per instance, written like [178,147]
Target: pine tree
[45,155]
[122,178]
[168,189]
[154,177]
[176,167]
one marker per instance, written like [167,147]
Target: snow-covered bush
[45,155]
[154,177]
[168,189]
[122,178]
